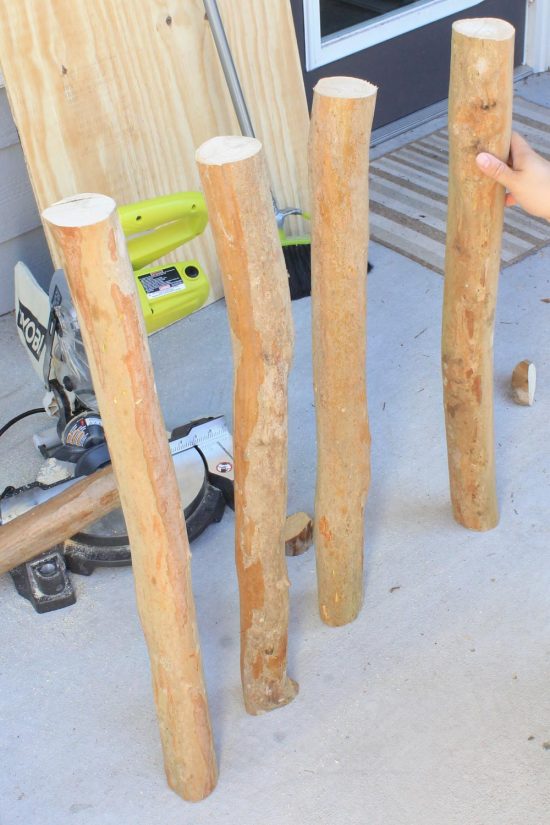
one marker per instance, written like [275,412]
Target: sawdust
[51,472]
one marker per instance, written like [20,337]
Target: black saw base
[203,456]
[46,583]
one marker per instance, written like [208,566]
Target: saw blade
[191,476]
[201,436]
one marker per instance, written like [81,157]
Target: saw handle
[168,222]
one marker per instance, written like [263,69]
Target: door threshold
[415,119]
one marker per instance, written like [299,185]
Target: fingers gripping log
[87,231]
[234,180]
[480,119]
[341,122]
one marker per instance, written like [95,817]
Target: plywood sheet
[114,97]
[263,43]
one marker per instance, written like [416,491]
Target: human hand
[527,178]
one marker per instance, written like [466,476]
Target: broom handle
[236,92]
[228,66]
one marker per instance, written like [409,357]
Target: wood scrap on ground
[298,534]
[523,383]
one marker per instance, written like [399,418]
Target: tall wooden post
[341,121]
[480,119]
[234,179]
[87,231]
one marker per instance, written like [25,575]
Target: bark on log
[234,179]
[341,123]
[524,380]
[480,119]
[62,516]
[87,230]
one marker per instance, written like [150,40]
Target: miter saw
[75,446]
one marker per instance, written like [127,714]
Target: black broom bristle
[298,265]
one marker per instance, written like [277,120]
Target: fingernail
[484,160]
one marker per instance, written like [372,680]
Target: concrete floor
[432,708]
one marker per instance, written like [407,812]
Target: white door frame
[537,35]
[320,51]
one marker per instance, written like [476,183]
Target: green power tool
[166,293]
[47,323]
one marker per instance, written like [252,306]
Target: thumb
[495,168]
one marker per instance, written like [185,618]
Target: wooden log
[523,384]
[298,534]
[102,284]
[480,119]
[235,184]
[50,523]
[341,122]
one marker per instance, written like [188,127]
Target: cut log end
[227,149]
[484,28]
[337,613]
[259,702]
[480,522]
[196,791]
[298,534]
[524,379]
[80,210]
[345,87]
